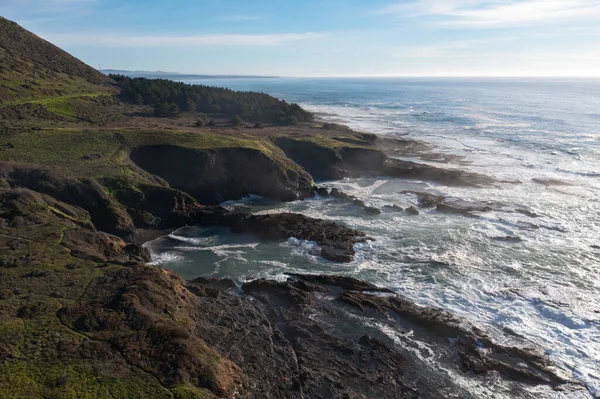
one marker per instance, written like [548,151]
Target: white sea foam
[546,287]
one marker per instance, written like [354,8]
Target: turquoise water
[546,287]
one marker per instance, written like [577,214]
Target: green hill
[32,68]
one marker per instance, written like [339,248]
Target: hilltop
[32,68]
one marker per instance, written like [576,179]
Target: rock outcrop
[220,174]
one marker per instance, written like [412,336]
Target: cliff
[81,315]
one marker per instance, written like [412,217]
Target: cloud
[496,13]
[453,49]
[125,40]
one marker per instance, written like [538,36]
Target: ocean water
[545,287]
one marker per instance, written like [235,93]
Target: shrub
[166,110]
[236,120]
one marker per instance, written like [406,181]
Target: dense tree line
[168,98]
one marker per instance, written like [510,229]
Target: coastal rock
[526,212]
[336,241]
[344,282]
[371,210]
[513,239]
[411,210]
[450,177]
[464,208]
[426,200]
[335,162]
[550,182]
[323,192]
[476,351]
[217,175]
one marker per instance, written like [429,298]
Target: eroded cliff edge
[81,314]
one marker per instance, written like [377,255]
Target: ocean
[542,284]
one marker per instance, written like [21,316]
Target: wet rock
[464,208]
[426,200]
[550,182]
[396,146]
[395,208]
[345,282]
[450,177]
[337,193]
[411,210]
[526,212]
[371,210]
[477,352]
[514,239]
[336,241]
[323,192]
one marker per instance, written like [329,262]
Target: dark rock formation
[551,182]
[426,200]
[464,208]
[219,174]
[451,177]
[336,162]
[513,239]
[322,191]
[336,241]
[369,209]
[411,210]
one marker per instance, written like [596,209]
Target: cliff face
[82,316]
[216,175]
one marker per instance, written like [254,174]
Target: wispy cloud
[451,49]
[497,13]
[124,40]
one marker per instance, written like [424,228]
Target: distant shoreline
[179,76]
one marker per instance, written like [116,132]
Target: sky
[324,37]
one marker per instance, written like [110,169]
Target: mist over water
[545,287]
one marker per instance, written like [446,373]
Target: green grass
[105,153]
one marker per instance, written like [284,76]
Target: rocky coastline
[306,337]
[86,177]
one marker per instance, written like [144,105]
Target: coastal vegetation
[168,98]
[92,166]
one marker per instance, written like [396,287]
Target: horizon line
[253,75]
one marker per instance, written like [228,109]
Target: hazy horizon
[351,38]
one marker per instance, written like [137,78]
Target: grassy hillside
[32,68]
[81,171]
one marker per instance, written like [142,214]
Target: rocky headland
[85,176]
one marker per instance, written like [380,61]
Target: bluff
[83,174]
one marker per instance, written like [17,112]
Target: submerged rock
[370,209]
[507,239]
[464,208]
[426,200]
[411,210]
[551,182]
